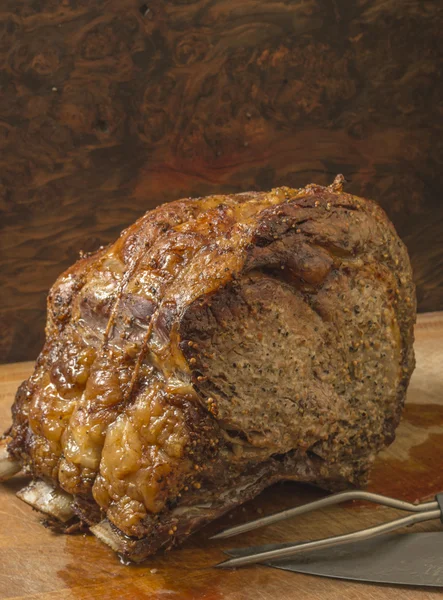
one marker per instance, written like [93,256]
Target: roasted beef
[221,344]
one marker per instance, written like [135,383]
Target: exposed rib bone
[8,466]
[108,535]
[135,550]
[48,500]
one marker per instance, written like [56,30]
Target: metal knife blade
[399,559]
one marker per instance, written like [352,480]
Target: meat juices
[220,345]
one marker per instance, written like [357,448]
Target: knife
[414,559]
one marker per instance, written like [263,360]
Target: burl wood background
[108,108]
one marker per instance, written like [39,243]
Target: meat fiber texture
[221,344]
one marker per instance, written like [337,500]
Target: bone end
[8,465]
[48,500]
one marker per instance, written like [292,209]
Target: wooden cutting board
[36,563]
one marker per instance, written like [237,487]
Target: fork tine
[322,503]
[362,534]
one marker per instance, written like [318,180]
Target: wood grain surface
[40,565]
[108,108]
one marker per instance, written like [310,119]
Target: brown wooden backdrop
[108,108]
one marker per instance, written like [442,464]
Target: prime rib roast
[221,344]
